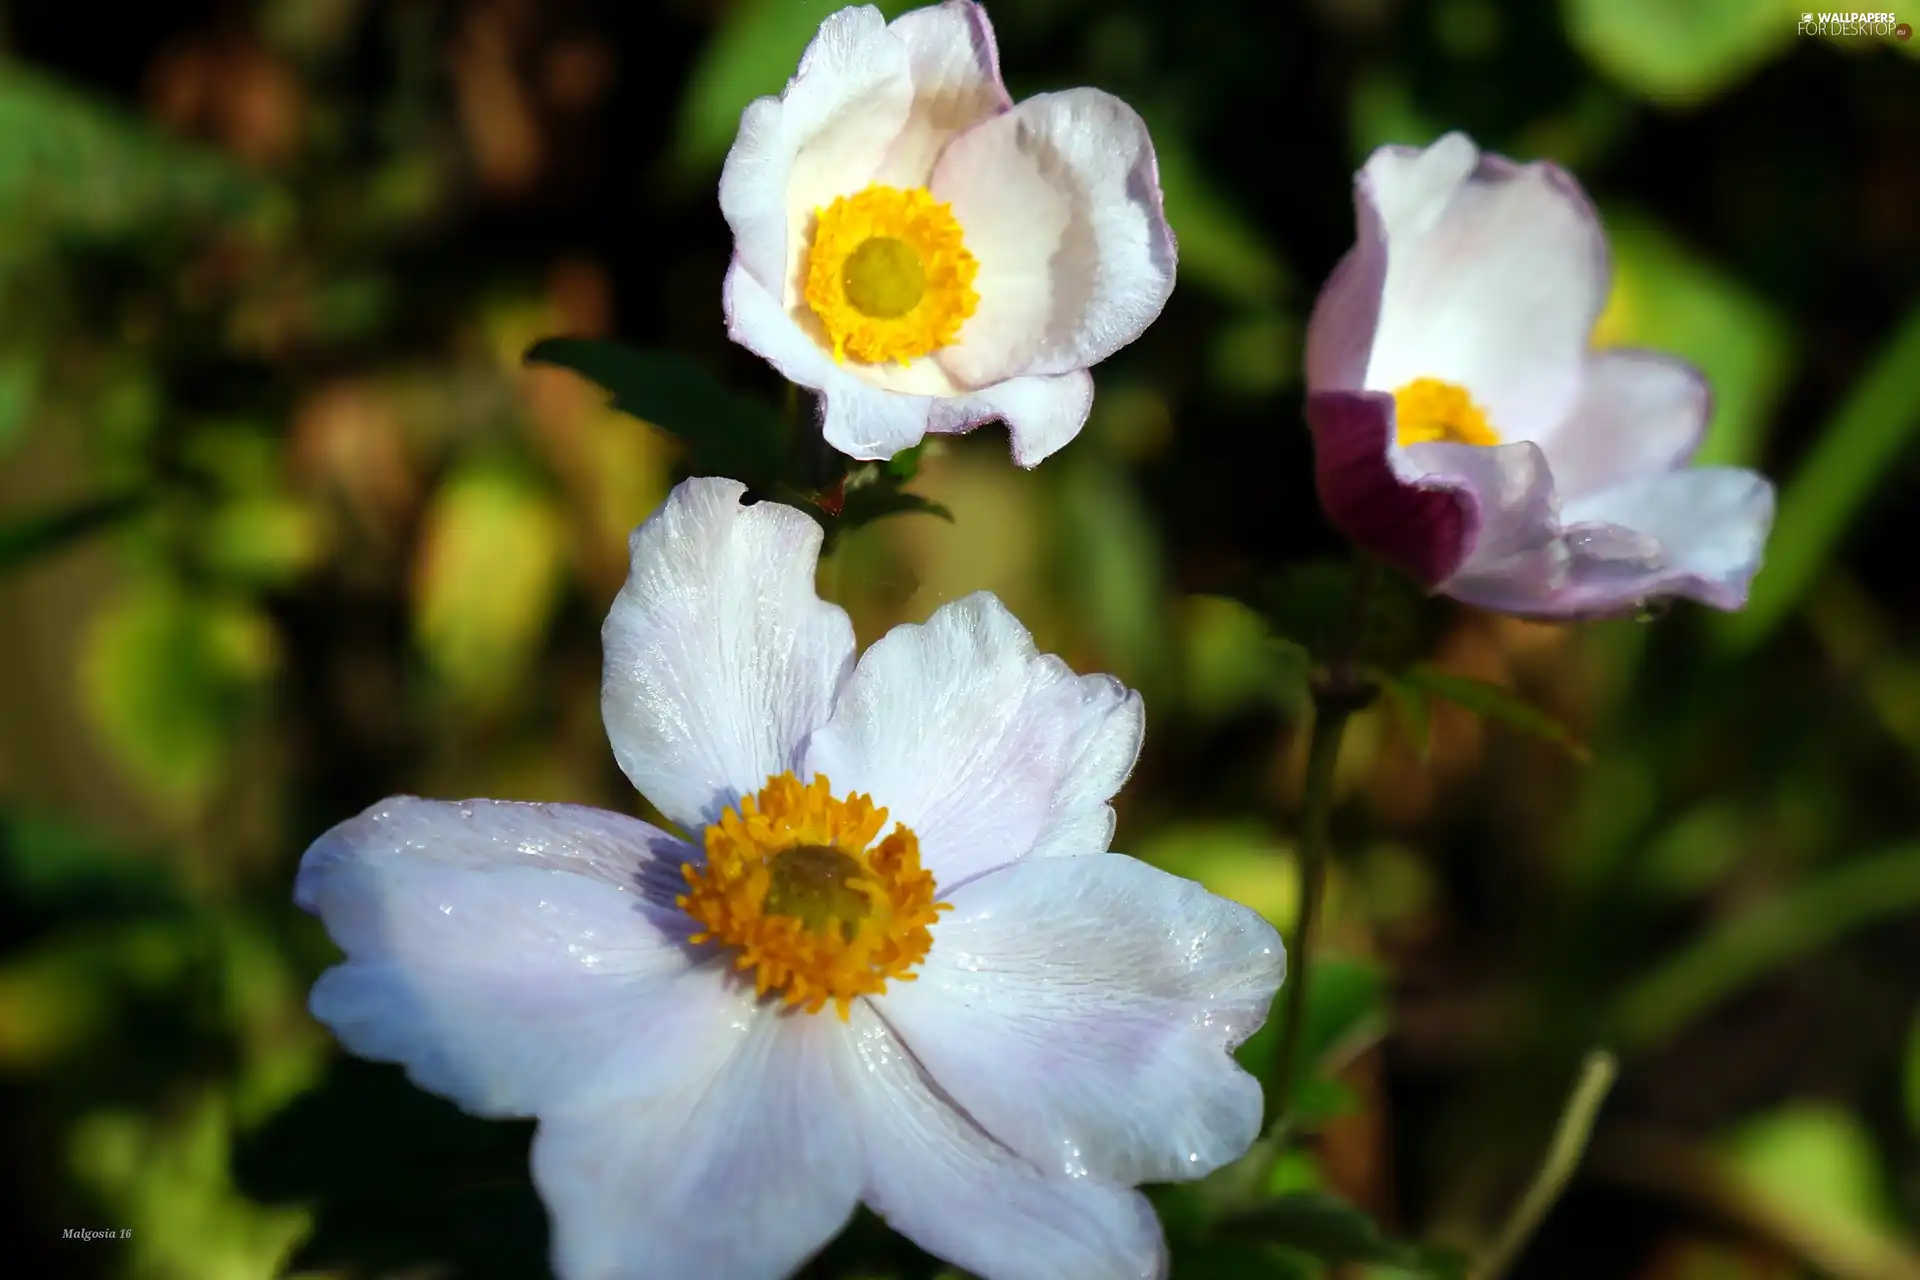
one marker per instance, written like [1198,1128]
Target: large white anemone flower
[895,964]
[1465,428]
[925,254]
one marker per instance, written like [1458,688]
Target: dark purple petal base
[1426,531]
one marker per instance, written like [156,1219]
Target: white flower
[1465,428]
[927,255]
[961,1010]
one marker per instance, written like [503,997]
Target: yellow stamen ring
[792,885]
[889,275]
[1427,410]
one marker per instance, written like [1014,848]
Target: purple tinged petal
[1425,528]
[942,1182]
[502,953]
[1083,1010]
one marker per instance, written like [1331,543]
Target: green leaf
[1678,50]
[19,392]
[1852,459]
[1910,1075]
[24,541]
[905,465]
[1413,712]
[727,434]
[1822,1160]
[52,865]
[70,166]
[491,565]
[1311,605]
[168,679]
[1492,702]
[1346,1011]
[873,502]
[1764,938]
[1119,578]
[1333,1231]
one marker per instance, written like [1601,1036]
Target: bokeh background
[285,526]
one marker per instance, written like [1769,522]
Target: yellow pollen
[795,884]
[1428,410]
[889,275]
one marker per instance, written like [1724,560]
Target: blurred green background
[285,527]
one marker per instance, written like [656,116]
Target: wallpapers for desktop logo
[1854,24]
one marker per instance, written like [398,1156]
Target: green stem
[1557,1169]
[1339,692]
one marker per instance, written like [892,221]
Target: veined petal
[976,741]
[956,84]
[720,659]
[1492,282]
[744,1169]
[503,953]
[1640,413]
[944,1184]
[1042,413]
[1083,1011]
[1060,199]
[826,135]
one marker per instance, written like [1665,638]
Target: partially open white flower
[927,255]
[1465,427]
[958,1008]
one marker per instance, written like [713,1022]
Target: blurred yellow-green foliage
[286,526]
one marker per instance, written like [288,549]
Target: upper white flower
[962,1011]
[927,255]
[1464,426]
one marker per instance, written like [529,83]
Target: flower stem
[1556,1170]
[1338,692]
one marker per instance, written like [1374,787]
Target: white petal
[826,135]
[955,1192]
[1083,1010]
[1513,505]
[858,419]
[1710,524]
[1059,200]
[977,742]
[720,659]
[1411,187]
[1497,292]
[956,84]
[1042,413]
[1639,413]
[503,953]
[745,1169]
[1398,195]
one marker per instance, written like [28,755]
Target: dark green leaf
[1311,605]
[1346,1007]
[26,540]
[1346,1010]
[1333,1231]
[1413,713]
[905,465]
[1495,703]
[728,434]
[877,501]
